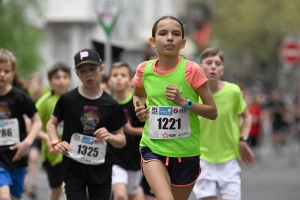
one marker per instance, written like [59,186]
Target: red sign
[289,52]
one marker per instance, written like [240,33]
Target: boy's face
[60,82]
[212,67]
[90,74]
[6,73]
[119,79]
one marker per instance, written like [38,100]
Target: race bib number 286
[9,132]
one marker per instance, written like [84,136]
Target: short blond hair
[7,56]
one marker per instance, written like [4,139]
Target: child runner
[127,173]
[91,119]
[224,140]
[14,140]
[171,133]
[59,80]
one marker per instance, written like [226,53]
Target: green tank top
[155,87]
[45,106]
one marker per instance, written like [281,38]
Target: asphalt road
[276,176]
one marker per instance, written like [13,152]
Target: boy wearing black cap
[91,119]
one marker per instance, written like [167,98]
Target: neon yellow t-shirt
[45,106]
[219,138]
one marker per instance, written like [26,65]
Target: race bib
[87,150]
[168,122]
[9,132]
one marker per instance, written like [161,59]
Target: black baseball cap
[87,56]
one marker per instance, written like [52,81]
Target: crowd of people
[171,128]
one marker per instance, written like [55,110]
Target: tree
[256,27]
[19,34]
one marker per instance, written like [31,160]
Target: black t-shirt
[129,156]
[14,105]
[85,116]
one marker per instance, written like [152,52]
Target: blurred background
[260,40]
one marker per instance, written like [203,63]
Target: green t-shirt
[45,106]
[219,138]
[155,87]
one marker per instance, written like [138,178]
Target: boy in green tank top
[222,141]
[170,145]
[59,80]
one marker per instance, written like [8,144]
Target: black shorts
[182,171]
[54,174]
[76,189]
[37,144]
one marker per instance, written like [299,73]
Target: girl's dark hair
[166,17]
[58,66]
[211,52]
[121,64]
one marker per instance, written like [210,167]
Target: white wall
[71,25]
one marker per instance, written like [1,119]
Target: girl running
[171,133]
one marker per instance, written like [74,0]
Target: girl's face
[119,79]
[6,74]
[90,74]
[60,82]
[212,67]
[168,38]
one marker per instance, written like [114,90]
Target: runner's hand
[22,150]
[103,134]
[246,153]
[173,94]
[63,148]
[141,112]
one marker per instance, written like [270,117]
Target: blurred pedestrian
[170,145]
[278,116]
[35,91]
[92,118]
[224,140]
[127,172]
[14,147]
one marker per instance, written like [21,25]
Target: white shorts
[219,179]
[131,179]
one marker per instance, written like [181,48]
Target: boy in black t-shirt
[127,173]
[91,119]
[14,140]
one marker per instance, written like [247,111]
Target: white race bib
[9,132]
[87,150]
[168,122]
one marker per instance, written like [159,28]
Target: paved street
[275,177]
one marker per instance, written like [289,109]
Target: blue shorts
[15,179]
[182,171]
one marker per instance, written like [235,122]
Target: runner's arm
[36,125]
[51,128]
[128,128]
[44,136]
[117,139]
[139,95]
[246,123]
[208,109]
